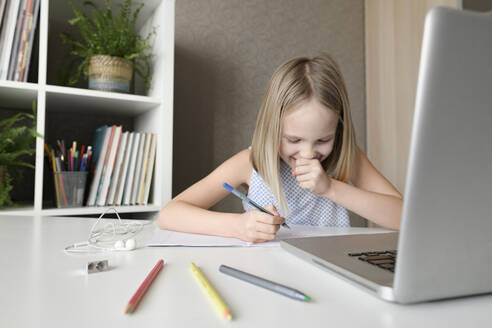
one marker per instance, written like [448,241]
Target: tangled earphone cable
[113,236]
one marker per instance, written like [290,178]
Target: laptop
[444,247]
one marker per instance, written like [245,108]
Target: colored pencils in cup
[133,303]
[242,196]
[210,291]
[267,284]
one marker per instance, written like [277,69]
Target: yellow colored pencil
[210,291]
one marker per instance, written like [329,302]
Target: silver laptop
[444,248]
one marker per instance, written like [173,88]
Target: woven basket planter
[108,73]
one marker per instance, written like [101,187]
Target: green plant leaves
[5,187]
[103,33]
[16,140]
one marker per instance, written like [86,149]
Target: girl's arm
[372,196]
[188,212]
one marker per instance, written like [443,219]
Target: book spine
[108,166]
[138,168]
[91,200]
[115,177]
[8,33]
[145,165]
[30,42]
[126,162]
[17,36]
[148,178]
[131,170]
[2,12]
[22,51]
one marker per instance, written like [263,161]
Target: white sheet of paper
[174,238]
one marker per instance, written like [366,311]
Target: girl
[301,161]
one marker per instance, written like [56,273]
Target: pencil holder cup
[70,188]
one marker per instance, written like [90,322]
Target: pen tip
[307,298]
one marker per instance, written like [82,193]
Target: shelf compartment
[89,210]
[17,95]
[75,100]
[60,13]
[99,210]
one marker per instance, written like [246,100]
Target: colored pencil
[133,303]
[267,284]
[217,301]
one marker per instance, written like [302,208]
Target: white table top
[42,286]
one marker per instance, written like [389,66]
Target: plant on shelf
[109,49]
[17,138]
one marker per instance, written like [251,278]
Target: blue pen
[239,194]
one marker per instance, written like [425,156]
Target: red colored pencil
[133,303]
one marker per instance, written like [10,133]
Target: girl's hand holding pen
[256,226]
[311,175]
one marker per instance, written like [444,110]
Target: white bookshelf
[150,111]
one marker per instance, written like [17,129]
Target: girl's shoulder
[244,162]
[243,159]
[239,167]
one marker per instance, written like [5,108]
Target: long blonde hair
[294,82]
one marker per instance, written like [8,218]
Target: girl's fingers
[270,229]
[300,170]
[272,209]
[269,219]
[303,178]
[306,162]
[303,161]
[264,236]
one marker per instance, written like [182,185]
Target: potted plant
[109,49]
[16,140]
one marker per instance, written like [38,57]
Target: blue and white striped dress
[305,207]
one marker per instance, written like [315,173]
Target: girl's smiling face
[308,131]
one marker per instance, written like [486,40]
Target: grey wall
[477,5]
[225,53]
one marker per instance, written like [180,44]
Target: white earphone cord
[105,239]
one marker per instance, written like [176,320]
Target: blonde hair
[294,82]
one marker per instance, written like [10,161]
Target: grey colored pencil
[267,284]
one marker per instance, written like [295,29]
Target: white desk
[41,286]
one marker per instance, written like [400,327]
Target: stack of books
[124,163]
[18,20]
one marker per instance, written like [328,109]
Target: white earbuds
[114,236]
[127,245]
[119,245]
[130,244]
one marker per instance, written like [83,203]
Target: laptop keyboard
[382,259]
